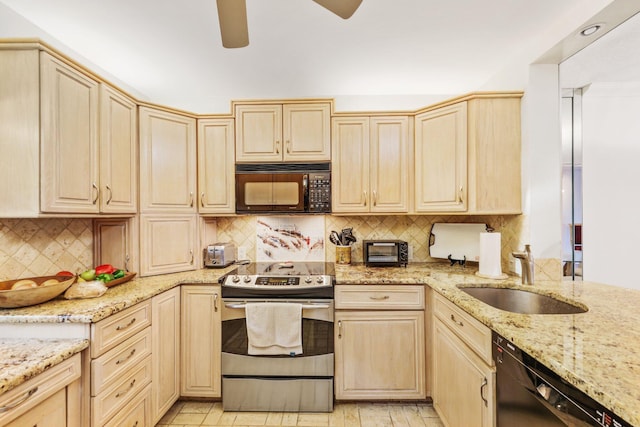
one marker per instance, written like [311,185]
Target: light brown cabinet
[51,399]
[165,359]
[463,372]
[115,242]
[69,131]
[289,132]
[216,166]
[201,341]
[467,157]
[370,164]
[167,162]
[118,152]
[380,347]
[168,243]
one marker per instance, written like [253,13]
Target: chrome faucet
[526,260]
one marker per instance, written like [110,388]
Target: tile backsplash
[40,247]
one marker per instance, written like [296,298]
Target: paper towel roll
[490,256]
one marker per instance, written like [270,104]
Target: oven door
[271,192]
[317,356]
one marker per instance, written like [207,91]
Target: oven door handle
[304,306]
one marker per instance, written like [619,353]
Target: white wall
[611,173]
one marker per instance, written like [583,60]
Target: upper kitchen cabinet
[441,159]
[467,156]
[167,162]
[370,166]
[118,152]
[290,132]
[69,111]
[71,146]
[216,178]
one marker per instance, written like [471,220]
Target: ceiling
[169,51]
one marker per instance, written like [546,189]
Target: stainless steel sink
[521,301]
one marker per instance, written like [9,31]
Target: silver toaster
[219,255]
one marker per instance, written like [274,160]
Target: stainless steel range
[296,298]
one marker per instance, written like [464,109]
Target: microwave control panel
[320,192]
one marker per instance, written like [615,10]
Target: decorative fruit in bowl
[33,290]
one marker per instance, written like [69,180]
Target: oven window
[317,337]
[285,193]
[383,252]
[271,193]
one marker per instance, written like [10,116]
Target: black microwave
[269,188]
[385,253]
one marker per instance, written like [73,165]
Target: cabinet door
[216,174]
[380,355]
[167,243]
[165,357]
[389,161]
[69,139]
[201,341]
[258,133]
[307,132]
[118,152]
[116,243]
[50,413]
[167,162]
[463,386]
[350,164]
[441,160]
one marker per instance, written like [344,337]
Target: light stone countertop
[23,359]
[598,351]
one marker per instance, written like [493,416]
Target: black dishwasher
[530,394]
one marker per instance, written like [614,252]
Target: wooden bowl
[12,298]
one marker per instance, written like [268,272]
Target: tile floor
[189,413]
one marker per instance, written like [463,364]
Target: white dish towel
[274,328]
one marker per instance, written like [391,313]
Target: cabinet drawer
[137,411]
[50,413]
[476,335]
[109,367]
[111,331]
[112,400]
[397,297]
[28,395]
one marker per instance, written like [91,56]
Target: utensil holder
[343,254]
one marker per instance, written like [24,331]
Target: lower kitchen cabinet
[51,399]
[379,343]
[165,330]
[463,373]
[201,341]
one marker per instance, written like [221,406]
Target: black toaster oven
[385,253]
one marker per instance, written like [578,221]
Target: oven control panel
[265,282]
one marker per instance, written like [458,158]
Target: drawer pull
[215,302]
[382,298]
[135,424]
[122,393]
[120,327]
[119,361]
[19,402]
[482,386]
[339,328]
[456,321]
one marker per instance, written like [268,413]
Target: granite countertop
[597,351]
[22,359]
[117,298]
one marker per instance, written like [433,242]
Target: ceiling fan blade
[232,15]
[342,8]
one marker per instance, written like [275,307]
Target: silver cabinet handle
[288,146]
[482,386]
[202,199]
[277,147]
[339,328]
[215,302]
[375,198]
[191,253]
[110,194]
[460,195]
[122,393]
[120,327]
[126,262]
[365,197]
[10,406]
[191,198]
[456,321]
[381,298]
[97,192]
[119,361]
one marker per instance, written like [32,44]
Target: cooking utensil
[334,237]
[347,236]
